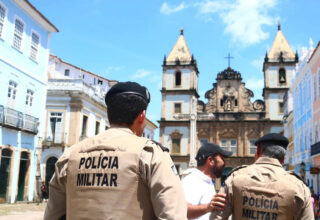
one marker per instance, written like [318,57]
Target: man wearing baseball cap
[264,190]
[199,185]
[118,174]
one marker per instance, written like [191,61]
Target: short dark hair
[124,108]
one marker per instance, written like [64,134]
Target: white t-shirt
[198,189]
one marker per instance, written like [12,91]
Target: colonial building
[75,110]
[314,64]
[24,51]
[229,117]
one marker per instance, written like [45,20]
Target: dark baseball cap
[211,149]
[132,88]
[274,138]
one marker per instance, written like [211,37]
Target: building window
[55,128]
[2,15]
[281,107]
[29,97]
[18,34]
[235,102]
[34,46]
[282,75]
[175,145]
[12,90]
[100,82]
[224,144]
[84,126]
[233,146]
[221,102]
[97,127]
[175,142]
[319,83]
[315,133]
[203,141]
[143,135]
[252,147]
[177,107]
[66,72]
[178,78]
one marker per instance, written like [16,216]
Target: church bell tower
[279,69]
[179,91]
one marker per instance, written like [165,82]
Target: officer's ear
[141,117]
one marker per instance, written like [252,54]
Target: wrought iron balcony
[30,123]
[13,118]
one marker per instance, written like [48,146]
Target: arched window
[178,78]
[282,75]
[50,168]
[5,171]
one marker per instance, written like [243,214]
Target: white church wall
[184,139]
[273,76]
[170,79]
[169,105]
[274,107]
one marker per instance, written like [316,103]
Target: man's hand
[218,202]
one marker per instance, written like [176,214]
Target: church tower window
[175,142]
[235,102]
[178,78]
[177,107]
[221,102]
[282,75]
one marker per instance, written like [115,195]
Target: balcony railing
[76,86]
[30,123]
[13,118]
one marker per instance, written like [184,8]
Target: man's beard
[217,171]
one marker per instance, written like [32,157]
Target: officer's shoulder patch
[297,176]
[163,148]
[236,169]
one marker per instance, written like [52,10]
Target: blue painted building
[24,53]
[302,118]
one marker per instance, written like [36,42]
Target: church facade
[228,117]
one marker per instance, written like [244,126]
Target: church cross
[228,57]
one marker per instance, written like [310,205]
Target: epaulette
[235,169]
[298,177]
[163,148]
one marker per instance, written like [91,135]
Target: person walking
[199,184]
[264,190]
[117,174]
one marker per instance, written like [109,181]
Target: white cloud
[167,9]
[244,19]
[141,73]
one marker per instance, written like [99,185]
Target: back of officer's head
[125,101]
[273,145]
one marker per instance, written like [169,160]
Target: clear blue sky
[127,40]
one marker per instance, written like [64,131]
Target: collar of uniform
[268,160]
[122,128]
[203,176]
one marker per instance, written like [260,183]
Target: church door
[4,173]
[24,163]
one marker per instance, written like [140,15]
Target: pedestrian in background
[264,190]
[118,174]
[199,187]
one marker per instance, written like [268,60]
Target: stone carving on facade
[211,95]
[229,132]
[200,106]
[203,132]
[175,134]
[246,95]
[254,132]
[258,105]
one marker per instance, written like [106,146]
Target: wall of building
[169,82]
[29,73]
[169,105]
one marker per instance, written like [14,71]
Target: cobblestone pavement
[31,211]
